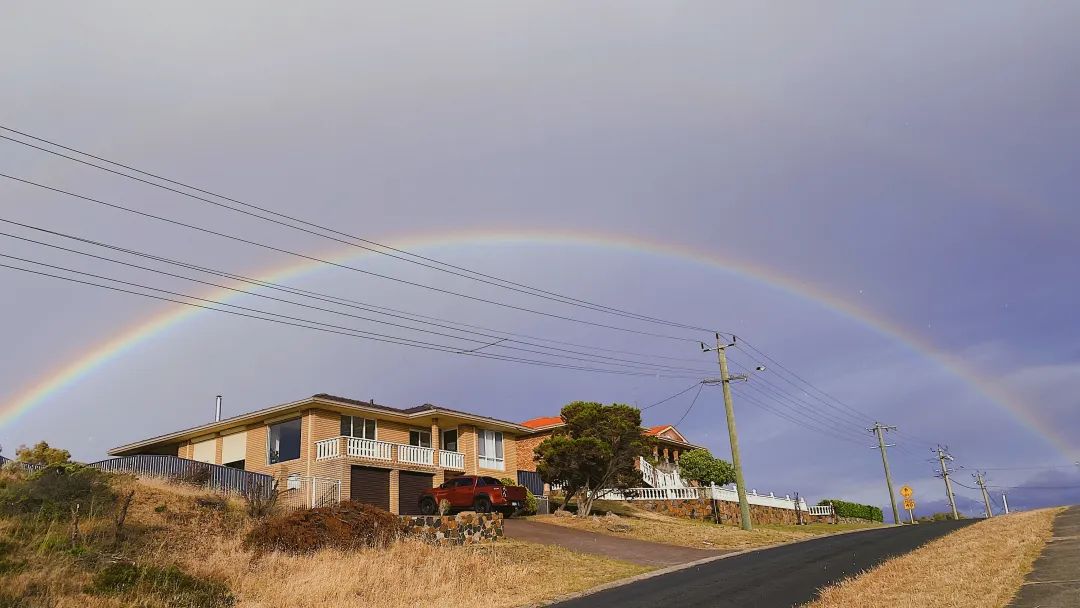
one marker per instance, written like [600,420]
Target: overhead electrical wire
[343,266]
[368,245]
[315,325]
[691,406]
[666,399]
[338,300]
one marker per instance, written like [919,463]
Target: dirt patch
[349,525]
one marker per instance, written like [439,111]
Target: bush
[349,525]
[172,585]
[530,498]
[854,509]
[55,490]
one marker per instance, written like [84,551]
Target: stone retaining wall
[461,529]
[702,508]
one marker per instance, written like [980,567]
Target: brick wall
[526,460]
[702,508]
[461,529]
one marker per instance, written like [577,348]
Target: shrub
[260,499]
[530,498]
[349,525]
[701,466]
[854,509]
[42,455]
[172,585]
[55,490]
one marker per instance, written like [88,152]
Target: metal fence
[214,476]
[309,493]
[15,463]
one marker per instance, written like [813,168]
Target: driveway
[627,549]
[1055,580]
[780,577]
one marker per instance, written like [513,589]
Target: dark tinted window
[284,441]
[489,481]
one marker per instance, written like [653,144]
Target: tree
[42,454]
[595,452]
[700,466]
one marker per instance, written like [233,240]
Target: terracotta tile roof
[656,430]
[543,421]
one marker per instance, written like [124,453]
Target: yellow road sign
[909,504]
[906,491]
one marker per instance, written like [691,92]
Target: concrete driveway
[626,549]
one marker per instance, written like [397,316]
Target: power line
[666,399]
[343,266]
[487,337]
[307,324]
[337,300]
[692,402]
[427,262]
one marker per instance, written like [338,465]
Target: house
[661,471]
[369,452]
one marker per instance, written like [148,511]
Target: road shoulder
[1054,582]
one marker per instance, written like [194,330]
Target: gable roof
[418,411]
[658,431]
[545,423]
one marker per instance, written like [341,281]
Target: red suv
[475,492]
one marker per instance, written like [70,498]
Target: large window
[490,450]
[355,426]
[284,441]
[420,438]
[449,440]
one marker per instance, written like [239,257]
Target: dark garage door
[371,486]
[410,486]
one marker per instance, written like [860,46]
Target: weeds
[172,586]
[349,525]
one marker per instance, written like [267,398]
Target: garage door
[371,486]
[410,486]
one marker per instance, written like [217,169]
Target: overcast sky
[916,164]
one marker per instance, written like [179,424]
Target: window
[488,481]
[420,438]
[490,449]
[457,483]
[355,426]
[449,440]
[284,441]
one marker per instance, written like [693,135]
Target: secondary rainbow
[101,354]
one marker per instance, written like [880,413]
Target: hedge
[854,509]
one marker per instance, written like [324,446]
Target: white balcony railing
[327,448]
[487,462]
[452,460]
[414,454]
[368,448]
[820,510]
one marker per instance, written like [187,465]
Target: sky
[881,200]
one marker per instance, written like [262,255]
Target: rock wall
[702,508]
[461,529]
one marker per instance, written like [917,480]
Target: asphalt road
[772,578]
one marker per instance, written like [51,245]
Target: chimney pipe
[217,411]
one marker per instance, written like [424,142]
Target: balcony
[368,449]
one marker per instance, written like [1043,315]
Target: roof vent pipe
[217,410]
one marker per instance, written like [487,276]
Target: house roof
[544,423]
[426,409]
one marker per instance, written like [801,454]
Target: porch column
[675,455]
[436,445]
[656,453]
[666,455]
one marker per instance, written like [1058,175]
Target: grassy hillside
[71,542]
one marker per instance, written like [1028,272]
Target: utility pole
[980,478]
[733,436]
[943,455]
[877,430]
[1005,502]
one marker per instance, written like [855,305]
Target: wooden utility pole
[877,430]
[944,455]
[733,436]
[980,478]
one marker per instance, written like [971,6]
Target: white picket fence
[716,493]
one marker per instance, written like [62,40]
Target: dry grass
[980,566]
[409,574]
[658,528]
[203,535]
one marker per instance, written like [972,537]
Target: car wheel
[428,506]
[482,505]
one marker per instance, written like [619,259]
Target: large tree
[595,452]
[700,466]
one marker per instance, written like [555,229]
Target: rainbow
[101,354]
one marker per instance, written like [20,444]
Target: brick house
[669,444]
[378,454]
